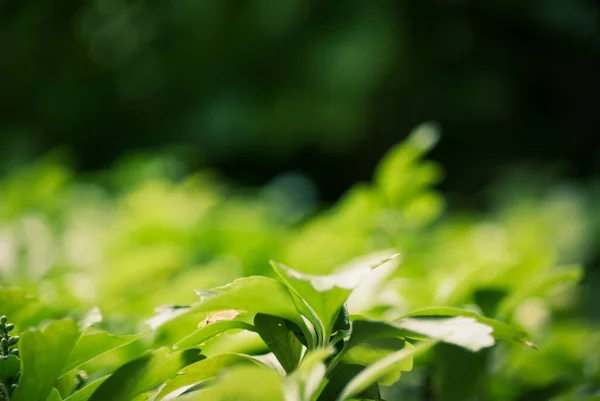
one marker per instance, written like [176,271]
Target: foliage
[336,325]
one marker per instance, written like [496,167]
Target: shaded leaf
[538,287]
[281,341]
[9,367]
[338,380]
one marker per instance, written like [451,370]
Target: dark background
[259,87]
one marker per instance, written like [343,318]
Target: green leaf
[66,384]
[201,371]
[17,304]
[373,350]
[254,383]
[253,294]
[144,374]
[85,393]
[342,376]
[469,382]
[43,355]
[539,287]
[366,296]
[93,345]
[9,367]
[324,295]
[54,396]
[501,331]
[380,369]
[364,331]
[304,383]
[398,175]
[280,340]
[466,332]
[93,317]
[211,330]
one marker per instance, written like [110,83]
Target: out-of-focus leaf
[54,395]
[373,350]
[558,276]
[397,175]
[94,316]
[144,374]
[200,371]
[281,341]
[93,345]
[65,384]
[43,355]
[501,331]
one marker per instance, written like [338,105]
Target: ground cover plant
[84,261]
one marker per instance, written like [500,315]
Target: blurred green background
[259,87]
[151,148]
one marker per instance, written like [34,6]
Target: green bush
[106,250]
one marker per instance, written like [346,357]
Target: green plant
[312,347]
[9,359]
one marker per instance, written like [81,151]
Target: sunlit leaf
[200,371]
[93,345]
[243,383]
[253,294]
[54,395]
[380,369]
[304,383]
[209,331]
[94,316]
[43,355]
[85,393]
[466,332]
[324,295]
[501,331]
[144,374]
